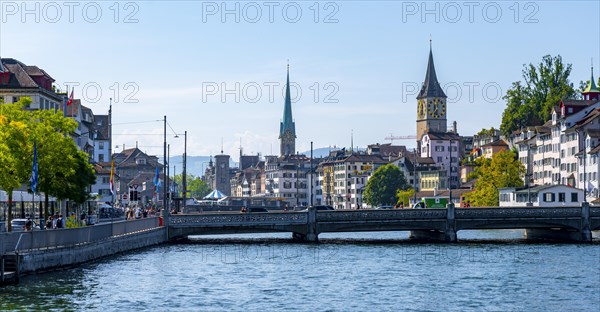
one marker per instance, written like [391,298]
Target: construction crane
[401,137]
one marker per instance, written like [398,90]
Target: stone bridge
[564,223]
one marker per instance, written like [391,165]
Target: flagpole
[110,156]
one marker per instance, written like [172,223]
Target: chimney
[454,129]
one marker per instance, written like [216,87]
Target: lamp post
[415,176]
[528,175]
[311,173]
[583,159]
[297,180]
[165,210]
[184,177]
[450,175]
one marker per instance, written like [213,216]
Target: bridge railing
[378,215]
[20,241]
[233,219]
[510,212]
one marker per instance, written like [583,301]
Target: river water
[378,271]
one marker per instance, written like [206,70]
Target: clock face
[421,109]
[436,108]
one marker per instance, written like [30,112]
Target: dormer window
[140,161]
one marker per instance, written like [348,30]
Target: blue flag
[157,177]
[34,170]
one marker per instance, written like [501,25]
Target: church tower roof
[288,122]
[431,86]
[592,85]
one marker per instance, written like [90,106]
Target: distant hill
[197,164]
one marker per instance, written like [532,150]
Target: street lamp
[583,158]
[184,174]
[311,173]
[450,174]
[415,175]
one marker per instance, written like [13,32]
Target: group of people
[55,222]
[137,212]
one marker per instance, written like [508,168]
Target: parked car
[18,225]
[385,207]
[419,205]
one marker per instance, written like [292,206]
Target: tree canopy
[196,186]
[63,170]
[383,186]
[503,170]
[530,103]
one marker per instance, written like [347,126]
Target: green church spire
[592,85]
[287,128]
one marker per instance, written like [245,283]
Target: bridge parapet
[502,213]
[377,215]
[238,219]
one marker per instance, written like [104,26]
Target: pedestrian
[49,223]
[55,221]
[28,225]
[60,222]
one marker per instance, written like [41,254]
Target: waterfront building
[555,153]
[135,168]
[102,185]
[350,176]
[287,177]
[18,80]
[540,196]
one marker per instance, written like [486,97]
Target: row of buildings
[134,169]
[563,151]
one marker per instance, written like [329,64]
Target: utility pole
[450,175]
[311,173]
[415,176]
[110,157]
[297,179]
[165,210]
[184,177]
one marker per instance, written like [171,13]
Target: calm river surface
[379,271]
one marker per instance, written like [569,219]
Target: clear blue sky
[364,62]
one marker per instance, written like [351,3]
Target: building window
[561,197]
[101,145]
[101,157]
[574,197]
[549,197]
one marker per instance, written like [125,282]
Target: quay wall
[55,258]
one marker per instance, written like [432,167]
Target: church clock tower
[431,104]
[287,128]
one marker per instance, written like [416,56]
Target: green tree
[503,170]
[404,196]
[77,186]
[383,186]
[530,103]
[197,187]
[16,152]
[58,160]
